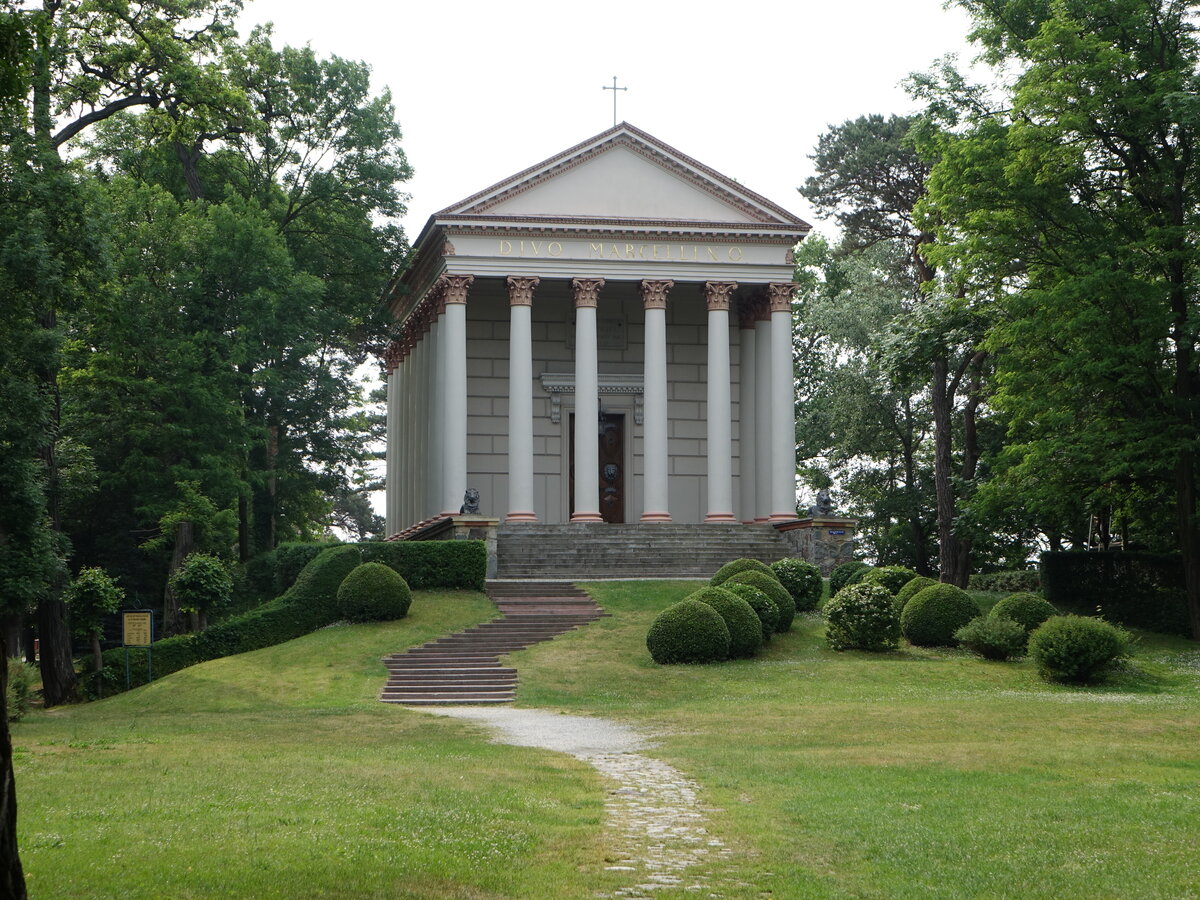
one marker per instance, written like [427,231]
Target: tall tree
[1076,209]
[871,177]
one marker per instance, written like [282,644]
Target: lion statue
[470,506]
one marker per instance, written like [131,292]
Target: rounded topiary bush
[1076,648]
[1028,609]
[802,580]
[745,628]
[372,592]
[764,607]
[911,588]
[688,632]
[770,586]
[861,617]
[730,569]
[891,577]
[845,574]
[935,613]
[993,637]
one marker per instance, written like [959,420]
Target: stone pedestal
[824,541]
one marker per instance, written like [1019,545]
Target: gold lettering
[656,246]
[555,248]
[522,248]
[642,251]
[614,251]
[629,251]
[506,248]
[735,254]
[597,249]
[536,249]
[711,254]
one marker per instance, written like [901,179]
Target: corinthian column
[655,497]
[720,410]
[520,399]
[762,410]
[391,362]
[454,350]
[783,405]
[587,401]
[747,438]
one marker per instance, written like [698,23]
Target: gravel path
[660,826]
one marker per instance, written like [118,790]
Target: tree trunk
[97,654]
[243,524]
[59,682]
[173,619]
[949,559]
[272,486]
[916,522]
[12,877]
[189,158]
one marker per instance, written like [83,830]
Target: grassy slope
[920,773]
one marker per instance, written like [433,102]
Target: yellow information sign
[137,629]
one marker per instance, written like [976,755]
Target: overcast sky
[485,89]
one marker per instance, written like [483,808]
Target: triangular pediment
[622,174]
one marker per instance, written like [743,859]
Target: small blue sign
[836,531]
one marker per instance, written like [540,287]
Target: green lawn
[911,774]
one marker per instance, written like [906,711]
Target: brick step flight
[465,667]
[630,551]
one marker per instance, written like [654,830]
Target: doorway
[611,438]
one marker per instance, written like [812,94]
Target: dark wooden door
[611,437]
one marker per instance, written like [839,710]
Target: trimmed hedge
[1144,590]
[1007,582]
[1028,610]
[373,593]
[913,587]
[802,580]
[846,574]
[745,628]
[892,578]
[1076,649]
[310,603]
[764,607]
[688,632]
[931,618]
[432,564]
[862,617]
[738,566]
[770,586]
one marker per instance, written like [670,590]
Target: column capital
[454,287]
[779,294]
[717,294]
[392,356]
[654,294]
[586,291]
[520,289]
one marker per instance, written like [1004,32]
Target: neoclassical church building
[603,337]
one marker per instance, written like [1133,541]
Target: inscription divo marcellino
[650,252]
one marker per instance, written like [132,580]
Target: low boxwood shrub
[764,607]
[745,628]
[770,586]
[291,558]
[861,617]
[993,637]
[373,592]
[846,573]
[1006,582]
[1077,649]
[688,632]
[1027,609]
[893,578]
[802,580]
[911,588]
[730,569]
[931,618]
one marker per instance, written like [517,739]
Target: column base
[521,517]
[656,517]
[587,517]
[720,519]
[782,517]
[761,520]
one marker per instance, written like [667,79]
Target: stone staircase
[584,551]
[465,667]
